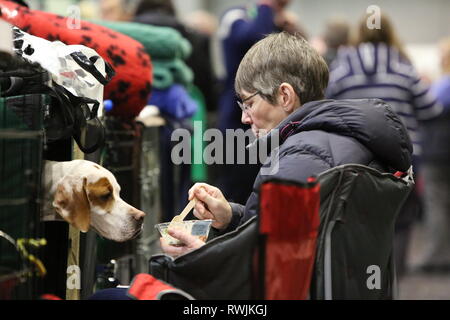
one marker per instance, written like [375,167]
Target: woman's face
[261,115]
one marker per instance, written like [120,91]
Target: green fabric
[161,43]
[162,77]
[167,48]
[199,170]
[167,73]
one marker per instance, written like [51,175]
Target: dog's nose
[137,214]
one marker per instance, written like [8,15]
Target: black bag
[66,115]
[80,120]
[358,209]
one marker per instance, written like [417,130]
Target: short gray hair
[283,57]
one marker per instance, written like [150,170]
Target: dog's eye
[106,196]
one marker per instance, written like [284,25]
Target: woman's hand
[190,243]
[211,204]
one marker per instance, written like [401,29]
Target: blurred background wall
[420,24]
[416,20]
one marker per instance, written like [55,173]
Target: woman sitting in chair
[280,84]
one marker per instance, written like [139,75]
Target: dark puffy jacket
[328,133]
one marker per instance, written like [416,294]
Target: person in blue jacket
[281,83]
[239,29]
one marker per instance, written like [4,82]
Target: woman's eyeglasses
[245,107]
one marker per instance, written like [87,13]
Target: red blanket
[130,87]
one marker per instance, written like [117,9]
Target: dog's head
[92,198]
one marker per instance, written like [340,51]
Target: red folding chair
[289,224]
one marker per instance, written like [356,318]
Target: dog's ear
[71,202]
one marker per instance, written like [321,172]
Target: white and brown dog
[85,194]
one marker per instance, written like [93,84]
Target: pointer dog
[85,194]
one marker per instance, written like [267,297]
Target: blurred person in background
[436,174]
[118,10]
[336,34]
[202,89]
[202,21]
[289,21]
[163,13]
[239,29]
[378,67]
[158,13]
[205,25]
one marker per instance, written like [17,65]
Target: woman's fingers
[189,240]
[201,212]
[201,185]
[189,243]
[171,250]
[197,186]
